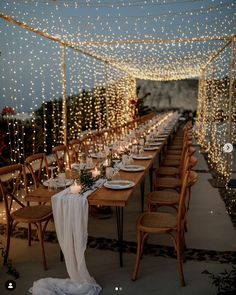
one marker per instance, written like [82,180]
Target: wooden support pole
[64,94]
[231,102]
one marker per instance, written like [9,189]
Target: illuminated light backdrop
[58,48]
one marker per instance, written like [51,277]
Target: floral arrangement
[8,111]
[2,143]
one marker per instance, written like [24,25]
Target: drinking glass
[109,173]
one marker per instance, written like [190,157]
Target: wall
[171,94]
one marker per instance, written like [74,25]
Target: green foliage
[225,281]
[141,108]
[10,269]
[86,179]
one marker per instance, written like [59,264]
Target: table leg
[142,194]
[151,177]
[119,224]
[160,157]
[61,255]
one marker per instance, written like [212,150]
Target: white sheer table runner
[70,213]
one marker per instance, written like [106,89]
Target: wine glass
[52,168]
[116,169]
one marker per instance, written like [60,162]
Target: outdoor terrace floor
[209,238]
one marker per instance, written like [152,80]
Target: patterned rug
[130,247]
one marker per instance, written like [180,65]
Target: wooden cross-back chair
[76,147]
[164,223]
[38,215]
[171,161]
[37,166]
[62,156]
[167,182]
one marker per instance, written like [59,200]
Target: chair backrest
[75,148]
[182,208]
[193,178]
[36,165]
[193,162]
[10,181]
[183,159]
[61,154]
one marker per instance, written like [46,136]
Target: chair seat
[173,157]
[163,197]
[171,163]
[174,152]
[192,162]
[175,147]
[32,213]
[191,151]
[169,171]
[41,194]
[193,177]
[168,182]
[157,222]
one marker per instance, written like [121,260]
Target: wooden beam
[64,94]
[217,54]
[150,41]
[58,40]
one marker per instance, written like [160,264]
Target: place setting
[57,183]
[119,184]
[132,168]
[142,157]
[114,182]
[151,148]
[154,143]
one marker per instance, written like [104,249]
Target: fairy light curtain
[114,42]
[216,122]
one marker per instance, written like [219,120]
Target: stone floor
[211,241]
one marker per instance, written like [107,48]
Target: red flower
[8,111]
[2,143]
[133,101]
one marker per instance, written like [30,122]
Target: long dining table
[120,198]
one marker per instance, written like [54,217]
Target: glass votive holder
[109,173]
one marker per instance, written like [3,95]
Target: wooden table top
[120,198]
[108,197]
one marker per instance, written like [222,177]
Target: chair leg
[61,255]
[180,262]
[9,229]
[29,234]
[189,196]
[137,263]
[41,237]
[143,241]
[151,207]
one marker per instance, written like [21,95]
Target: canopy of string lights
[93,52]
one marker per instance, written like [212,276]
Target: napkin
[70,212]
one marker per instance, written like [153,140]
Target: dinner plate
[81,166]
[132,168]
[89,167]
[151,148]
[142,157]
[156,143]
[119,184]
[97,156]
[58,182]
[152,139]
[76,166]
